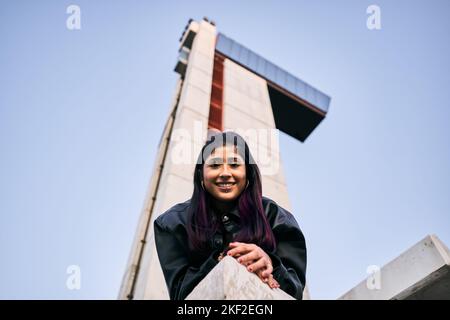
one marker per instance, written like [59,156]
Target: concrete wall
[230,280]
[421,272]
[187,137]
[247,110]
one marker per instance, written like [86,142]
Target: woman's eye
[214,165]
[235,165]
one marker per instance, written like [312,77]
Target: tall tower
[224,86]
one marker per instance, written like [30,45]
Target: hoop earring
[248,182]
[203,187]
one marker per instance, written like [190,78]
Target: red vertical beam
[215,120]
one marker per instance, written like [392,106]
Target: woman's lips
[225,186]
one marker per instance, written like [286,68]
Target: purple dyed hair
[254,226]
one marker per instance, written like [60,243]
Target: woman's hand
[255,259]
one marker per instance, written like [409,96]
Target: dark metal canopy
[298,108]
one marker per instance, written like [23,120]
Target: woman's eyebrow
[235,159]
[229,160]
[216,159]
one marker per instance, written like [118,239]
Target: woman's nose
[225,172]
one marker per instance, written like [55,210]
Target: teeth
[225,184]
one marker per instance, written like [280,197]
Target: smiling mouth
[225,185]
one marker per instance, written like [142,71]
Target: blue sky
[81,114]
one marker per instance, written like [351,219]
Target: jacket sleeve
[289,258]
[181,277]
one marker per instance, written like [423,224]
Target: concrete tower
[222,86]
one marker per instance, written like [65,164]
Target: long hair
[202,225]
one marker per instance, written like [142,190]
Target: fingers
[252,255]
[235,244]
[247,251]
[264,279]
[270,280]
[258,265]
[239,248]
[273,283]
[266,273]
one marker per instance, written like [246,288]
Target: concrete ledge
[229,280]
[422,272]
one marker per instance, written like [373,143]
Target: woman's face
[224,174]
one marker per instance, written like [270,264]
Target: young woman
[227,215]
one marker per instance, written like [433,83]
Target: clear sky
[82,111]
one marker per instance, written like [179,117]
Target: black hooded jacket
[183,269]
